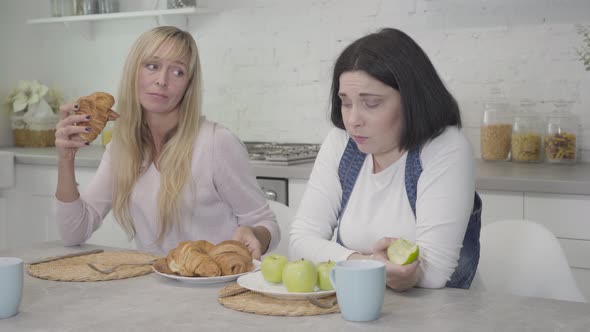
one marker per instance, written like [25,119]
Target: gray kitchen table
[155,303]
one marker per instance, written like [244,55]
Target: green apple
[402,252]
[272,267]
[300,276]
[324,275]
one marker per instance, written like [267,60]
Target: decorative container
[33,132]
[526,142]
[496,132]
[561,136]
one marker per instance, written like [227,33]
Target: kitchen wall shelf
[84,23]
[121,15]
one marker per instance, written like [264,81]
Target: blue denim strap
[412,174]
[469,256]
[348,171]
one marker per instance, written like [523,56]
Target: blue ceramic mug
[360,288]
[11,285]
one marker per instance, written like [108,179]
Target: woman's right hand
[67,138]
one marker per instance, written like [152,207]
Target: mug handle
[333,277]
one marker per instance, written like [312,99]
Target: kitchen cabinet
[567,217]
[564,215]
[296,190]
[3,221]
[29,209]
[501,205]
[30,212]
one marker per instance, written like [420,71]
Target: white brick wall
[267,64]
[485,51]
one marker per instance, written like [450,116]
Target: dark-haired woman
[397,165]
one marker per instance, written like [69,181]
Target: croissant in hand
[232,256]
[190,259]
[98,106]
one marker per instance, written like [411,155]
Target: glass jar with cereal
[561,134]
[496,131]
[526,142]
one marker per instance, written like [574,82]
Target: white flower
[28,93]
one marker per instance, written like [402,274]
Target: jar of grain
[496,131]
[561,134]
[526,142]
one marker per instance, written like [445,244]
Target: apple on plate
[324,275]
[272,267]
[300,276]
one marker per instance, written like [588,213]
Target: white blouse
[379,207]
[222,196]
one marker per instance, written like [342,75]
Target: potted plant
[33,107]
[584,51]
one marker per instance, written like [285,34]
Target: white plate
[209,280]
[256,283]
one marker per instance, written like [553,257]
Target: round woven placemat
[76,268]
[257,303]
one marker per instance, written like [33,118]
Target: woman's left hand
[398,277]
[245,235]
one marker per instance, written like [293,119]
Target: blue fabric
[350,166]
[469,256]
[348,171]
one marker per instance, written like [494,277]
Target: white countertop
[155,303]
[90,157]
[508,176]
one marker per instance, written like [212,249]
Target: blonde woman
[169,175]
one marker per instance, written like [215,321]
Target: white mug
[360,288]
[11,285]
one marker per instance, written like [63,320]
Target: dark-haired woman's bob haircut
[393,58]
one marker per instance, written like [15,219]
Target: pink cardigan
[223,195]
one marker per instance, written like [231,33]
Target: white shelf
[122,15]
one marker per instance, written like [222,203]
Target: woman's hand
[245,235]
[67,138]
[398,277]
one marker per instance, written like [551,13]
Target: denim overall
[350,165]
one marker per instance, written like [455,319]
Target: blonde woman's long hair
[133,148]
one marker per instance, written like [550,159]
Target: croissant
[98,106]
[232,256]
[190,259]
[162,266]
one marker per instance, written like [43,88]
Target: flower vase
[34,127]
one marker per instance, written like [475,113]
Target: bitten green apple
[272,267]
[402,252]
[324,275]
[300,276]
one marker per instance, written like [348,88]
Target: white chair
[524,258]
[285,216]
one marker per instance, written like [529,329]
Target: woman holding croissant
[169,175]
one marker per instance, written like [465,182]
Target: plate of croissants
[202,262]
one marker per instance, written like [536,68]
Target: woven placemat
[76,268]
[257,303]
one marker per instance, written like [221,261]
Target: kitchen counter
[90,157]
[508,176]
[154,303]
[539,178]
